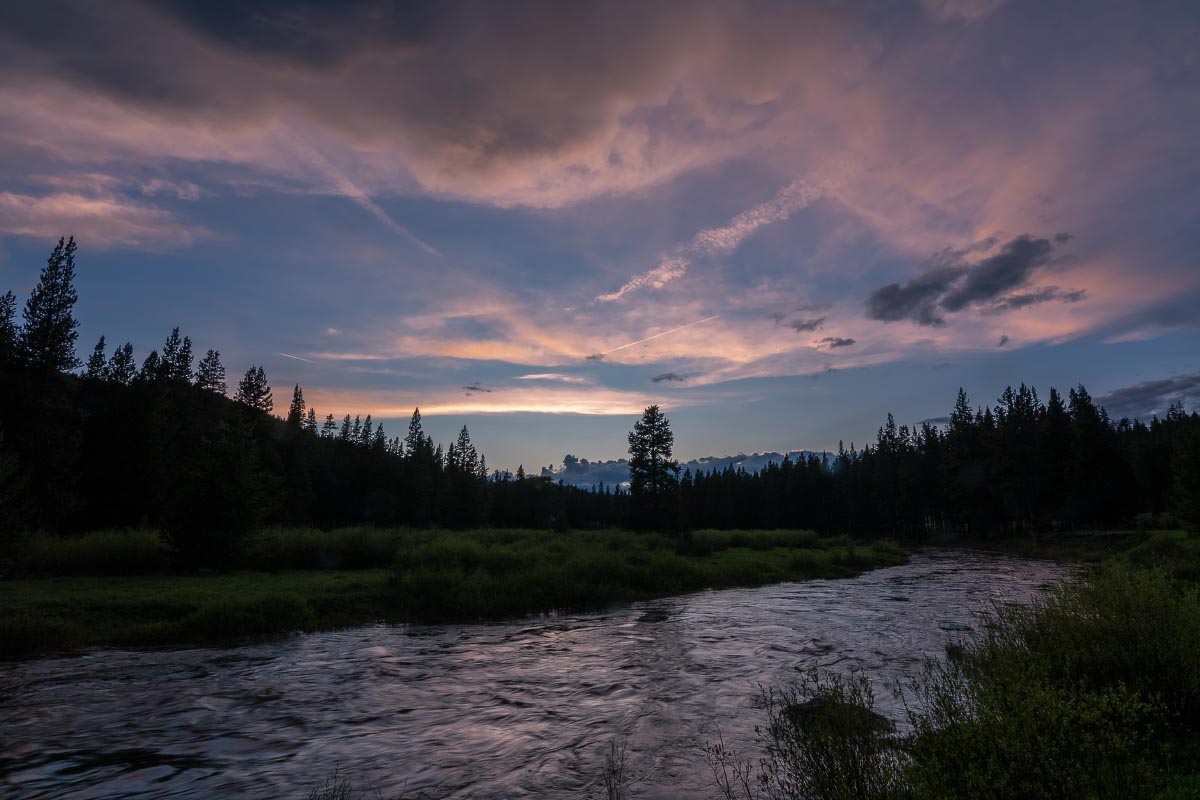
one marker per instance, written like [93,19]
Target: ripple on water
[482,711]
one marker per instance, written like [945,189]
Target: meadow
[125,588]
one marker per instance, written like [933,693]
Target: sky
[779,221]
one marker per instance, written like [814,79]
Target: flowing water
[510,710]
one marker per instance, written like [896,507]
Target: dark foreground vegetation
[121,587]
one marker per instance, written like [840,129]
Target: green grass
[433,576]
[1175,551]
[109,552]
[44,615]
[1091,691]
[477,575]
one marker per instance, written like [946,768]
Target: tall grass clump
[311,548]
[825,740]
[110,552]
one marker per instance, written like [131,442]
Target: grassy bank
[122,588]
[1175,551]
[1090,692]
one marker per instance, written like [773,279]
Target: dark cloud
[312,32]
[465,88]
[935,421]
[953,282]
[1148,398]
[595,357]
[777,317]
[917,299]
[475,387]
[1062,238]
[812,307]
[837,341]
[803,325]
[669,376]
[1003,272]
[1045,294]
[1003,340]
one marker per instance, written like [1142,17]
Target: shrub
[824,741]
[118,552]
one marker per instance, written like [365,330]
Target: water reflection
[483,711]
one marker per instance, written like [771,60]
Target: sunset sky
[779,221]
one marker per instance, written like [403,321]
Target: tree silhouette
[295,416]
[96,368]
[653,474]
[121,367]
[254,392]
[48,336]
[177,357]
[211,375]
[151,367]
[9,332]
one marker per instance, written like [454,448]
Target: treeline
[1019,466]
[162,445]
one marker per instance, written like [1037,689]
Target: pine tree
[96,369]
[329,428]
[653,474]
[295,416]
[364,436]
[151,367]
[379,441]
[414,442]
[310,421]
[344,434]
[48,336]
[254,392]
[211,375]
[177,357]
[9,332]
[121,367]
[356,431]
[1185,464]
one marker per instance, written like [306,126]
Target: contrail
[298,358]
[350,190]
[664,333]
[717,241]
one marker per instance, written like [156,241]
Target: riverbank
[1176,551]
[276,587]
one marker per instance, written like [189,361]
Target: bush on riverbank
[491,574]
[111,552]
[1089,692]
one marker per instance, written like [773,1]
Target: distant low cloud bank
[1148,398]
[581,472]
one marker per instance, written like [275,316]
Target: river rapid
[509,710]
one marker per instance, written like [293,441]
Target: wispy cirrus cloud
[718,241]
[101,219]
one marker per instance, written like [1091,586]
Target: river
[509,710]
